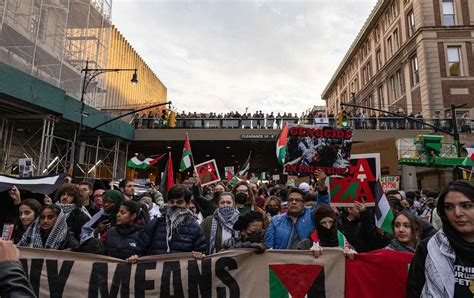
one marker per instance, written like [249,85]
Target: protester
[13,279]
[103,220]
[218,227]
[326,234]
[357,223]
[287,230]
[28,211]
[443,265]
[192,205]
[85,188]
[251,232]
[407,230]
[68,198]
[98,198]
[273,206]
[122,240]
[49,231]
[176,230]
[127,187]
[245,200]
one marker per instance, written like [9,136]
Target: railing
[370,123]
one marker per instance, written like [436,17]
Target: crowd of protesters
[259,120]
[438,227]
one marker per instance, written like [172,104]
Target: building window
[397,87]
[376,34]
[415,71]
[449,16]
[378,58]
[454,61]
[381,99]
[396,40]
[411,23]
[390,46]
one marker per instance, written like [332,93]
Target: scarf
[68,208]
[175,218]
[58,234]
[398,246]
[226,216]
[439,267]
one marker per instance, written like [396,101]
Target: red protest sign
[359,184]
[208,172]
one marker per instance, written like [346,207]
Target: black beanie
[245,220]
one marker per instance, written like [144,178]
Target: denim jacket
[280,231]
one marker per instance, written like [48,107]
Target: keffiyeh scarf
[175,218]
[32,237]
[68,208]
[226,217]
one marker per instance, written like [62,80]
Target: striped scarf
[226,216]
[439,267]
[58,234]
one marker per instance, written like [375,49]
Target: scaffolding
[52,39]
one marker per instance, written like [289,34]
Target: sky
[221,56]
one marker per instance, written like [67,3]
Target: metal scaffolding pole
[116,157]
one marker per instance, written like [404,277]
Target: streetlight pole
[89,75]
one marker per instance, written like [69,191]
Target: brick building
[411,56]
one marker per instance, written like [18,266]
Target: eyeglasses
[97,196]
[295,200]
[242,190]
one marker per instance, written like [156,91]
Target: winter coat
[123,240]
[279,231]
[190,237]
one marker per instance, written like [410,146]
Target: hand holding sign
[321,179]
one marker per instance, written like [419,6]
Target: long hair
[72,190]
[415,225]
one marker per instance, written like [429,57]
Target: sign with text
[208,172]
[310,148]
[390,183]
[359,184]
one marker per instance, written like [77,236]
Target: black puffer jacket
[123,240]
[190,237]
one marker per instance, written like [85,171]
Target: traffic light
[339,119]
[344,119]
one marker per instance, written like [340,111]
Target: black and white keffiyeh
[175,218]
[68,208]
[226,217]
[32,237]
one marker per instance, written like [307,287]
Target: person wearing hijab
[219,226]
[443,266]
[251,231]
[29,210]
[68,198]
[105,218]
[325,234]
[407,230]
[49,230]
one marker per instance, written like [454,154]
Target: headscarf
[327,237]
[57,235]
[225,216]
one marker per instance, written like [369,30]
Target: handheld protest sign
[360,182]
[311,148]
[208,172]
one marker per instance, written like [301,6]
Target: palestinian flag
[186,158]
[296,280]
[245,167]
[383,213]
[167,181]
[281,145]
[37,184]
[469,160]
[140,163]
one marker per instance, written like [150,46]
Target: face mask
[254,238]
[272,210]
[241,198]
